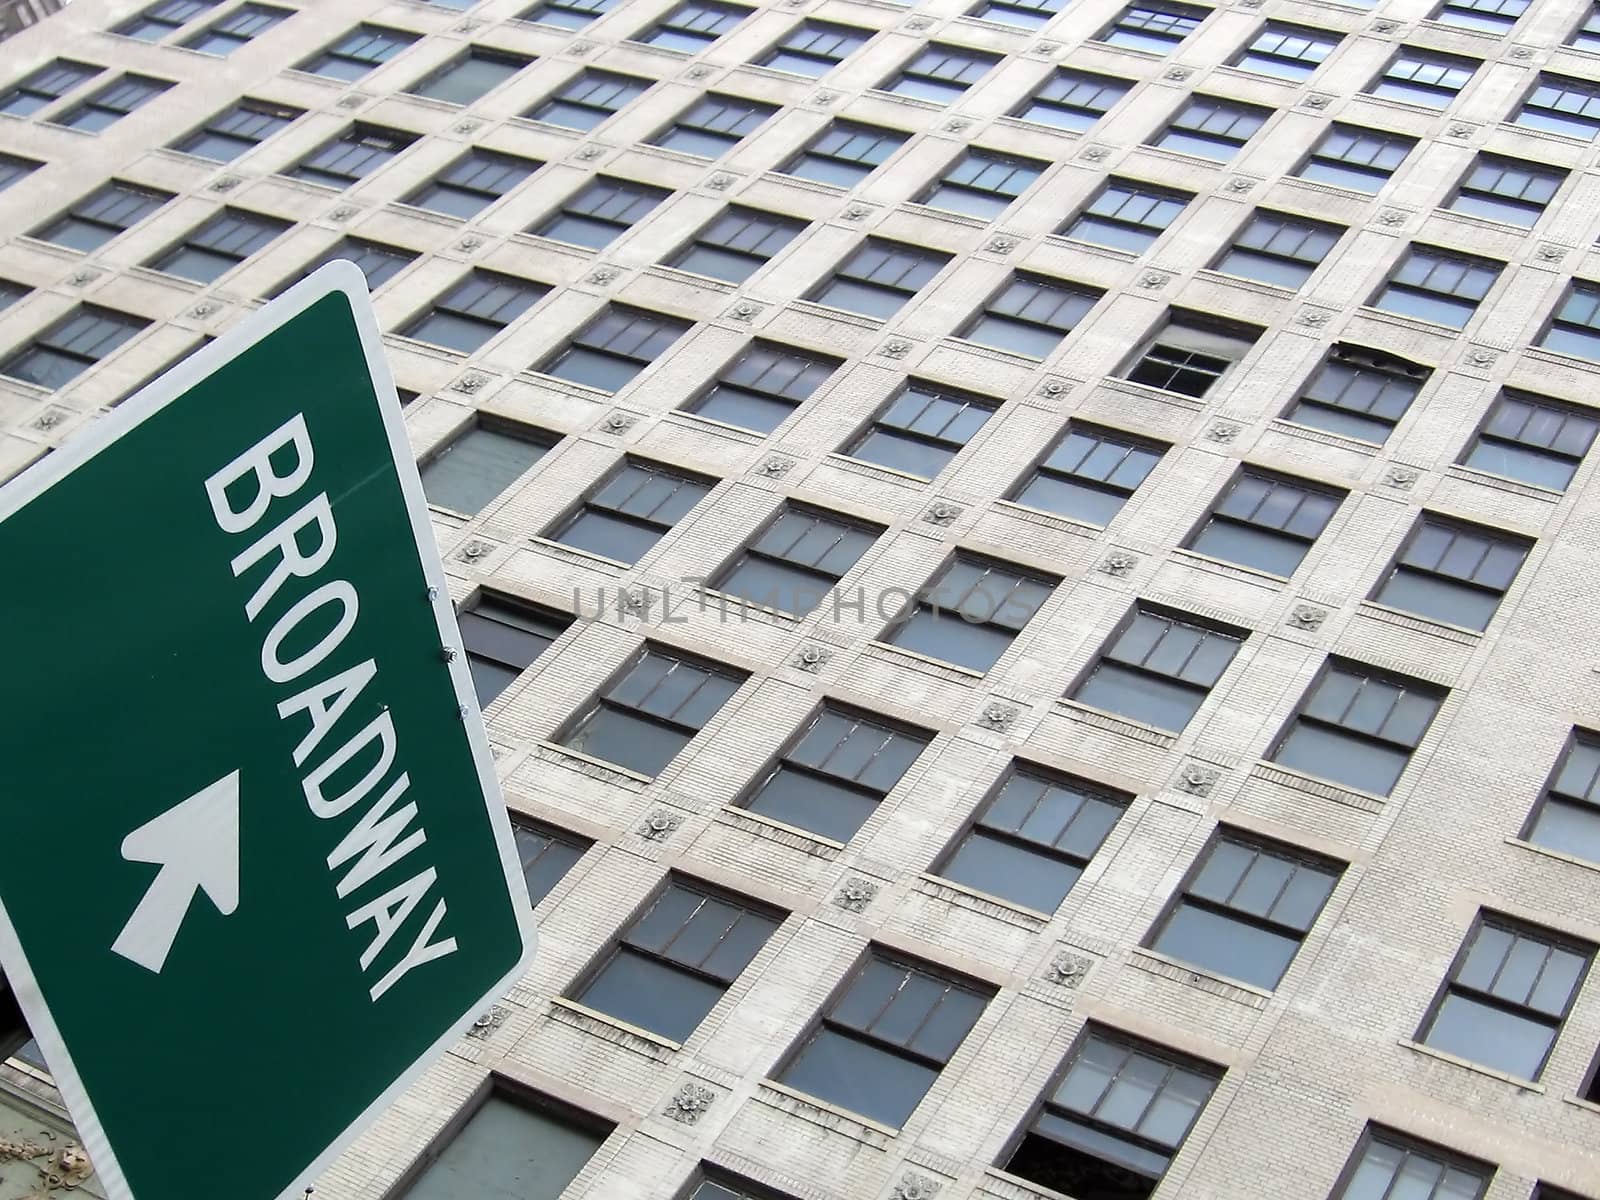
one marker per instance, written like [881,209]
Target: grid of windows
[793,563]
[1534,439]
[546,855]
[237,28]
[713,125]
[1358,393]
[971,612]
[1507,189]
[814,48]
[112,102]
[480,463]
[161,19]
[1266,522]
[1358,727]
[879,277]
[71,346]
[569,14]
[1491,16]
[982,183]
[614,347]
[214,248]
[1127,214]
[693,26]
[600,212]
[1559,104]
[101,216]
[1353,157]
[736,243]
[1391,1165]
[236,130]
[473,182]
[651,710]
[1030,315]
[1088,474]
[352,156]
[1209,127]
[474,310]
[470,76]
[882,1042]
[1575,326]
[940,73]
[1507,996]
[1452,572]
[630,510]
[1158,669]
[1026,14]
[831,776]
[921,430]
[1280,249]
[763,386]
[1567,817]
[586,100]
[1287,51]
[45,86]
[1158,28]
[502,637]
[1425,77]
[845,153]
[1439,285]
[1072,99]
[363,49]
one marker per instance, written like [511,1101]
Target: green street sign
[260,872]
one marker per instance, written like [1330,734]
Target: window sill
[573,554]
[1163,739]
[1501,483]
[1160,395]
[1006,1186]
[1414,324]
[792,836]
[1039,128]
[1041,516]
[535,125]
[1526,1085]
[595,768]
[843,315]
[1580,1102]
[666,52]
[579,1016]
[1474,223]
[1408,106]
[1062,242]
[809,185]
[1559,359]
[1321,788]
[1155,963]
[1311,433]
[909,101]
[1227,570]
[820,1112]
[936,887]
[911,208]
[921,662]
[726,602]
[1444,28]
[1404,620]
[1331,189]
[414,212]
[734,433]
[874,471]
[1563,139]
[1559,855]
[708,283]
[1272,291]
[1009,357]
[579,391]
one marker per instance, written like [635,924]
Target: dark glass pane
[627,740]
[1227,946]
[1494,1037]
[1001,868]
[651,995]
[1342,758]
[859,1077]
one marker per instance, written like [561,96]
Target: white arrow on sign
[196,844]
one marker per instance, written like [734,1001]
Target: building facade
[1025,562]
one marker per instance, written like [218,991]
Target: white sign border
[343,277]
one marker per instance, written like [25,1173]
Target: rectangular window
[1438,285]
[101,216]
[763,386]
[1072,99]
[352,156]
[1208,127]
[713,125]
[651,710]
[236,130]
[45,86]
[1358,727]
[473,182]
[719,1185]
[474,310]
[693,26]
[1158,28]
[1116,1119]
[1033,838]
[1587,35]
[1127,214]
[971,612]
[1026,14]
[1353,157]
[1030,315]
[547,854]
[71,346]
[1507,189]
[1559,104]
[1575,327]
[214,248]
[590,98]
[1188,354]
[1358,393]
[1158,669]
[157,21]
[879,277]
[736,243]
[1245,907]
[1265,522]
[569,14]
[501,639]
[885,1036]
[983,184]
[1088,474]
[1534,439]
[1287,51]
[379,263]
[112,102]
[672,963]
[814,48]
[1425,77]
[630,510]
[479,464]
[614,347]
[1452,572]
[11,292]
[1567,816]
[600,212]
[1491,16]
[237,28]
[921,430]
[1279,249]
[513,1144]
[832,775]
[793,563]
[469,77]
[940,73]
[1507,995]
[13,168]
[1391,1164]
[845,153]
[363,49]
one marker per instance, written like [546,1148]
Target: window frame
[1384,137]
[39,342]
[696,40]
[399,39]
[1550,407]
[781,352]
[554,835]
[81,213]
[1438,256]
[556,530]
[265,229]
[754,256]
[990,201]
[851,447]
[1136,190]
[1427,519]
[1349,356]
[1577,736]
[1104,434]
[853,129]
[857,35]
[1072,78]
[1419,57]
[1194,345]
[1273,534]
[1008,574]
[1235,110]
[663,323]
[910,256]
[1149,35]
[351,138]
[1305,66]
[1576,286]
[1405,1143]
[823,577]
[911,80]
[104,100]
[1042,285]
[690,124]
[1305,259]
[463,60]
[1204,625]
[29,85]
[527,293]
[1500,202]
[473,164]
[278,116]
[1554,118]
[224,27]
[590,76]
[486,600]
[630,192]
[486,422]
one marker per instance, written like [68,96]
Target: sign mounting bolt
[448,653]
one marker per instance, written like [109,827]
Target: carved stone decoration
[1385,26]
[344,212]
[1118,563]
[1550,252]
[854,212]
[855,894]
[470,382]
[794,3]
[825,97]
[1068,970]
[633,603]
[589,152]
[1317,100]
[745,310]
[475,549]
[689,1103]
[1198,779]
[658,826]
[50,418]
[1240,185]
[466,127]
[1459,130]
[226,184]
[956,124]
[1401,477]
[916,23]
[618,421]
[1054,389]
[1315,317]
[914,1185]
[1249,3]
[774,466]
[698,71]
[468,26]
[721,181]
[811,657]
[82,276]
[580,47]
[1224,432]
[1522,52]
[1095,153]
[603,275]
[1480,358]
[1048,47]
[1002,244]
[353,100]
[1154,280]
[204,309]
[487,1023]
[470,243]
[1391,216]
[998,715]
[1176,73]
[895,348]
[942,512]
[1307,616]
